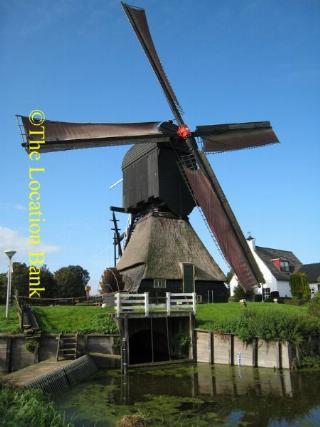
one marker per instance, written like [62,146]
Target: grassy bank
[208,313]
[28,408]
[265,320]
[82,319]
[10,326]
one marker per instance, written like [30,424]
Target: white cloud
[16,206]
[20,207]
[12,239]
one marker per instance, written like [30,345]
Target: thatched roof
[268,254]
[161,244]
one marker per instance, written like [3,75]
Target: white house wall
[270,281]
[314,288]
[284,289]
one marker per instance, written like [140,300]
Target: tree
[111,281]
[3,288]
[71,281]
[48,282]
[20,279]
[299,286]
[314,305]
[239,293]
[229,276]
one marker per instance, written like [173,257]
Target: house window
[266,293]
[284,266]
[159,283]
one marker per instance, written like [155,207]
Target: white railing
[140,303]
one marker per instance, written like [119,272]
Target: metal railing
[141,303]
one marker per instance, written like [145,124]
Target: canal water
[197,395]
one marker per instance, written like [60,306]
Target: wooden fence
[97,300]
[142,303]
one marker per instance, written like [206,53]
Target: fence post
[146,303]
[168,300]
[194,302]
[118,303]
[124,356]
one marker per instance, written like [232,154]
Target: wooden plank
[133,303]
[184,294]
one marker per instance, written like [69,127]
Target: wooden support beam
[151,333]
[8,354]
[117,209]
[168,337]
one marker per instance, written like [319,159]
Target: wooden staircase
[67,346]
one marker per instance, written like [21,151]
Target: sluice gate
[155,332]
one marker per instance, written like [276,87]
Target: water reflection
[199,396]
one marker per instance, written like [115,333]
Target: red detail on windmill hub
[183,131]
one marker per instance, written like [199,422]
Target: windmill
[165,175]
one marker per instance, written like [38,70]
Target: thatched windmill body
[165,176]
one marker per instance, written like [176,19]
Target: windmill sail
[223,224]
[138,20]
[235,136]
[61,136]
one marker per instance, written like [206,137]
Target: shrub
[293,301]
[28,408]
[299,286]
[314,306]
[133,421]
[269,326]
[31,344]
[310,362]
[257,297]
[239,293]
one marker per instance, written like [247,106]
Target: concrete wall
[64,377]
[4,348]
[14,354]
[230,350]
[223,349]
[242,381]
[20,356]
[268,354]
[244,353]
[204,347]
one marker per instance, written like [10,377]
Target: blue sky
[228,61]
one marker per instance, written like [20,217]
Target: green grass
[10,326]
[28,408]
[209,314]
[84,319]
[265,320]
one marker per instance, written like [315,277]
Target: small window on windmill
[159,283]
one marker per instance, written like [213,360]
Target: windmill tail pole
[117,234]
